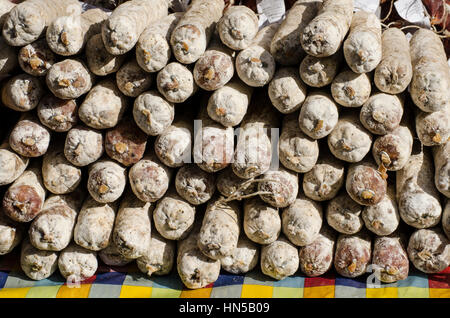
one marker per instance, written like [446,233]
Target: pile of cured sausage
[197,141]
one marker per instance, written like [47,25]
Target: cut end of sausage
[22,203]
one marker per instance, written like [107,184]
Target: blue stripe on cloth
[227,279]
[295,281]
[415,279]
[110,278]
[3,278]
[358,282]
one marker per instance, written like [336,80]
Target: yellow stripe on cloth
[14,292]
[439,293]
[256,291]
[388,292]
[196,293]
[319,292]
[128,291]
[82,291]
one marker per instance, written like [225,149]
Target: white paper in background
[270,11]
[263,21]
[366,5]
[413,11]
[180,5]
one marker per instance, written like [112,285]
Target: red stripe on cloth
[440,280]
[326,280]
[89,280]
[209,286]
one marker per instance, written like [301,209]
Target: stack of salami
[198,141]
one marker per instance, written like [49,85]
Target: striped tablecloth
[128,282]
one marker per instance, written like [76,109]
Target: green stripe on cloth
[287,292]
[413,292]
[165,293]
[43,292]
